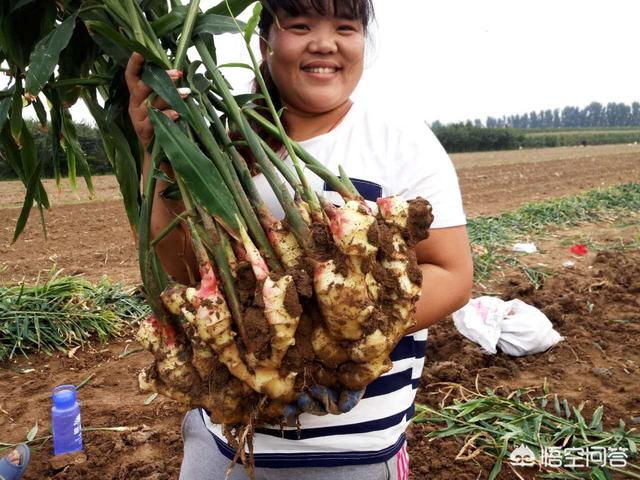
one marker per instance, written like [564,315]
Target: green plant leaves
[236,7]
[198,173]
[217,24]
[32,433]
[122,42]
[151,398]
[41,113]
[5,105]
[75,154]
[246,98]
[600,474]
[59,312]
[122,159]
[253,22]
[497,467]
[236,65]
[596,420]
[32,186]
[26,164]
[46,53]
[156,78]
[15,120]
[170,22]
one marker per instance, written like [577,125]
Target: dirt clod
[59,462]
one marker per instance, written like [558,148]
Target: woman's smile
[323,69]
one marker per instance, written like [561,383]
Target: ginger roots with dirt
[332,317]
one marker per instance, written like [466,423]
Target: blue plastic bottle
[65,420]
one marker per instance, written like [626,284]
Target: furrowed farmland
[473,409]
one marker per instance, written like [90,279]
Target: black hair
[348,9]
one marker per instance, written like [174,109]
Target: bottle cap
[64,396]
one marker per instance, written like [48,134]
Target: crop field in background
[559,138]
[574,155]
[584,131]
[595,305]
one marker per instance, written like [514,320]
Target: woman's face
[315,61]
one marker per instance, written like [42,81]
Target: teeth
[321,70]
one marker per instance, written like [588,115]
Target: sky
[452,60]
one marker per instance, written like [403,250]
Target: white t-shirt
[383,156]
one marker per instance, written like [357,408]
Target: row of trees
[469,138]
[593,115]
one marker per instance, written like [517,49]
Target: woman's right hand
[138,94]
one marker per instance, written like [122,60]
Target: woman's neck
[304,125]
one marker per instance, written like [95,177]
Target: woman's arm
[175,250]
[447,274]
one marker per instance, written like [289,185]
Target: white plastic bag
[516,328]
[526,330]
[479,321]
[525,248]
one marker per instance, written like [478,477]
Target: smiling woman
[313,54]
[313,57]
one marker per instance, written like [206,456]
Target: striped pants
[203,461]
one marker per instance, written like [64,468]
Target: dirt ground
[93,237]
[595,306]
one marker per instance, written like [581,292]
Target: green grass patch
[493,236]
[487,423]
[63,312]
[578,137]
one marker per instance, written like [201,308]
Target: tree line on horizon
[494,134]
[593,115]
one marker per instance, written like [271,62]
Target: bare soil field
[92,237]
[595,306]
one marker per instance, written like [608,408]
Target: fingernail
[184,91]
[174,73]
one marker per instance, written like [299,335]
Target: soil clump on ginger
[420,218]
